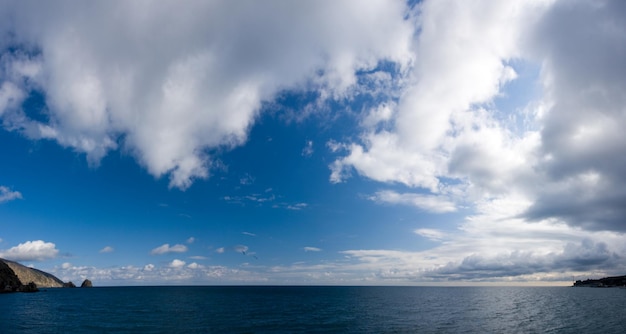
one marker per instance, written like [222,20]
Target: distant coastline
[15,277]
[606,282]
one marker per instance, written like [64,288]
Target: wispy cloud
[165,248]
[253,198]
[307,151]
[265,199]
[240,248]
[246,180]
[6,194]
[430,203]
[220,250]
[191,240]
[37,250]
[431,234]
[297,206]
[107,249]
[248,233]
[312,249]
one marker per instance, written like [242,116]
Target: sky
[374,142]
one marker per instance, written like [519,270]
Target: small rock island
[15,277]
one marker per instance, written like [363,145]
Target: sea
[315,309]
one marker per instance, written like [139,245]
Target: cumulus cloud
[7,194]
[107,249]
[165,248]
[449,136]
[582,137]
[175,272]
[169,95]
[37,250]
[176,263]
[456,72]
[498,245]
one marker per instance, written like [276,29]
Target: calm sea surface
[315,309]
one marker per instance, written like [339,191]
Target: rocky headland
[606,282]
[15,277]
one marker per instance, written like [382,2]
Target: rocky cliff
[606,282]
[8,280]
[26,275]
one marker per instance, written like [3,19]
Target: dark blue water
[315,310]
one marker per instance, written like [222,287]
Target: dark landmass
[69,285]
[86,284]
[8,280]
[15,277]
[27,275]
[606,282]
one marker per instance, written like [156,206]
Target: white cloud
[37,250]
[247,179]
[220,250]
[167,95]
[66,265]
[165,248]
[431,234]
[174,272]
[176,263]
[297,206]
[191,240]
[241,248]
[312,249]
[436,126]
[7,194]
[248,233]
[448,137]
[307,151]
[107,249]
[431,203]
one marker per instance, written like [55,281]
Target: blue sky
[437,142]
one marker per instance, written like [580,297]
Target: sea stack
[69,285]
[86,284]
